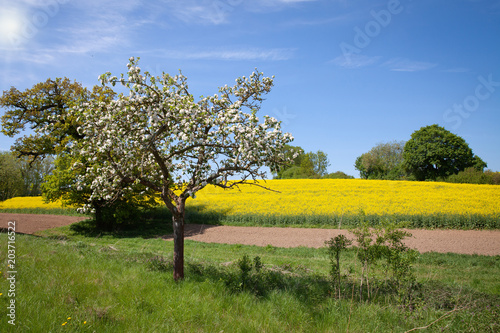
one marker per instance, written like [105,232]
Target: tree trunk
[103,218]
[178,224]
[100,222]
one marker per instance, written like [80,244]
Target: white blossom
[160,136]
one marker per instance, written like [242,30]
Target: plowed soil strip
[483,242]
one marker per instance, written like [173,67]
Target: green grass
[122,282]
[53,211]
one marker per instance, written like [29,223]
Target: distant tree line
[22,177]
[432,154]
[311,165]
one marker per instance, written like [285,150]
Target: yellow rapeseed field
[331,201]
[28,202]
[351,197]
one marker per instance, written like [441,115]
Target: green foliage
[495,177]
[10,177]
[434,153]
[294,172]
[472,175]
[259,280]
[60,184]
[294,155]
[45,109]
[384,242]
[22,176]
[400,260]
[34,172]
[337,175]
[368,252]
[335,246]
[245,266]
[108,213]
[383,161]
[305,165]
[257,264]
[319,162]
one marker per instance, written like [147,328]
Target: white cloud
[39,58]
[218,11]
[233,54]
[204,12]
[103,26]
[353,61]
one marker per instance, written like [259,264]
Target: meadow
[78,279]
[73,279]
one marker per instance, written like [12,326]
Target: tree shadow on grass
[153,223]
[146,225]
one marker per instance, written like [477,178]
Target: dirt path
[485,242]
[31,223]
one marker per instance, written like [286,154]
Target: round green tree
[435,153]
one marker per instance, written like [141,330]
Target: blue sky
[349,74]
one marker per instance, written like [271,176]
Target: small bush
[474,176]
[383,243]
[495,177]
[337,175]
[335,246]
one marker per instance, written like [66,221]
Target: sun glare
[11,24]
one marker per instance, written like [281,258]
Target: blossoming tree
[161,138]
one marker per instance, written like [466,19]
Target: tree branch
[435,321]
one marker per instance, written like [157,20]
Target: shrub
[495,177]
[337,175]
[471,176]
[384,242]
[335,246]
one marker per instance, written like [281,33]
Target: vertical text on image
[11,272]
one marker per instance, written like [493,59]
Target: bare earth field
[483,242]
